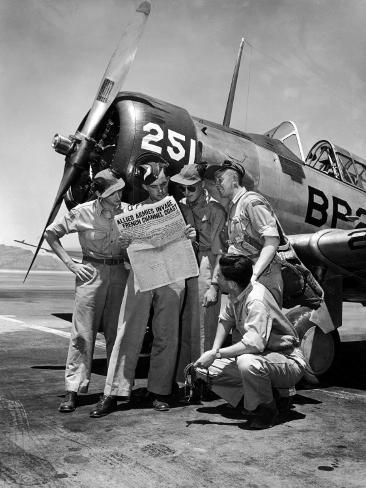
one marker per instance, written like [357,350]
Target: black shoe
[283,404]
[266,415]
[105,406]
[69,403]
[159,403]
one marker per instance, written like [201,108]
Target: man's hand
[190,232]
[211,296]
[82,271]
[124,242]
[206,359]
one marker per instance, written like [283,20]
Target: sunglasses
[190,188]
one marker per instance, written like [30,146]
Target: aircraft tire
[318,348]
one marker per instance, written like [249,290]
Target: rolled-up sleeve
[67,225]
[227,317]
[257,327]
[262,219]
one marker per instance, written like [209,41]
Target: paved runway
[321,445]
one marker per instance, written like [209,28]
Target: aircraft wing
[342,252]
[74,253]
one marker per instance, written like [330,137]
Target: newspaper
[160,253]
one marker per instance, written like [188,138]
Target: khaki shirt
[257,321]
[249,221]
[97,231]
[208,217]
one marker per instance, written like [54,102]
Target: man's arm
[257,330]
[211,295]
[265,257]
[224,326]
[82,271]
[263,221]
[218,221]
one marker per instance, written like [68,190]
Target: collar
[238,195]
[200,202]
[106,212]
[98,207]
[242,295]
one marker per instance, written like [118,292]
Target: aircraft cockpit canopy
[337,162]
[288,133]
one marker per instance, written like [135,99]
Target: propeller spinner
[78,148]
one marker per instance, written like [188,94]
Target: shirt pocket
[205,225]
[95,235]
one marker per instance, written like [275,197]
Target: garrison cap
[234,165]
[149,166]
[107,182]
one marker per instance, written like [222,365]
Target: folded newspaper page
[160,253]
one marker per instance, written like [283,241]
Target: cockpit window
[348,168]
[337,162]
[361,171]
[287,133]
[322,159]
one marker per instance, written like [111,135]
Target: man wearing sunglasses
[208,217]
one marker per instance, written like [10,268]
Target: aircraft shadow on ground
[49,366]
[63,316]
[99,366]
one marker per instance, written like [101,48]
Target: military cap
[107,182]
[234,165]
[188,175]
[149,166]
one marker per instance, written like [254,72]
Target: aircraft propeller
[78,148]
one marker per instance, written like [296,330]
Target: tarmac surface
[321,444]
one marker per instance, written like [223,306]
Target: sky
[303,61]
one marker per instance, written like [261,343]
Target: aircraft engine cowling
[136,124]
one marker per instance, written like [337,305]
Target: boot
[105,406]
[69,403]
[266,415]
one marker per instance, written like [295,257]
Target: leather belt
[109,261]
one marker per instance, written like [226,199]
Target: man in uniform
[265,352]
[100,279]
[167,303]
[208,217]
[252,227]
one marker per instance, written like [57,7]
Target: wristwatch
[218,353]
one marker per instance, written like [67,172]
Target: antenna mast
[230,98]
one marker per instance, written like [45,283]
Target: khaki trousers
[97,305]
[167,304]
[252,375]
[199,324]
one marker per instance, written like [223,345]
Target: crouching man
[264,354]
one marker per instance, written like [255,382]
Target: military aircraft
[319,200]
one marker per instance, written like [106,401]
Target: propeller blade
[70,174]
[111,83]
[117,69]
